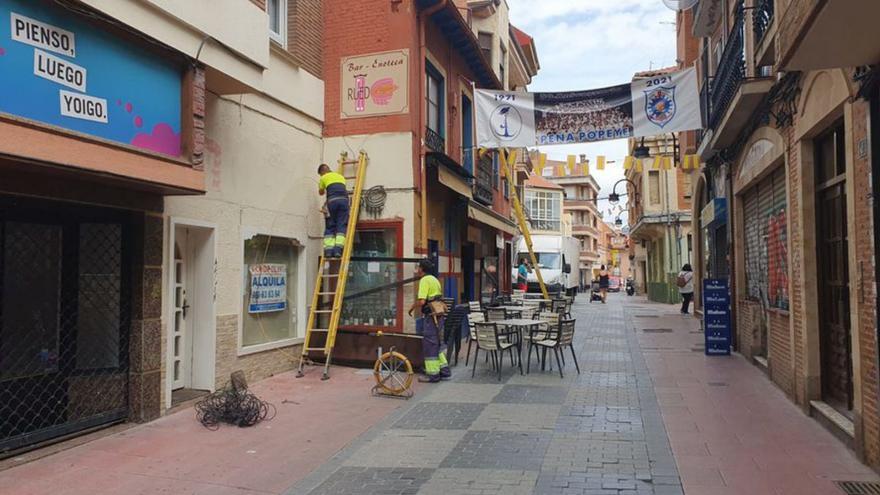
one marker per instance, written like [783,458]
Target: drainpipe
[424,16]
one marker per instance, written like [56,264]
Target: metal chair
[496,314]
[475,306]
[473,319]
[492,340]
[559,337]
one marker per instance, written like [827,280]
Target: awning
[454,182]
[486,216]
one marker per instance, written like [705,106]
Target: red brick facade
[305,25]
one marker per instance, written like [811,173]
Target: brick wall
[260,3]
[305,23]
[863,239]
[780,350]
[256,366]
[376,26]
[193,124]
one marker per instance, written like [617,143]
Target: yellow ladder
[329,293]
[508,159]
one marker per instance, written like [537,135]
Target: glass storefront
[372,299]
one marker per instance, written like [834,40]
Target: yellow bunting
[542,162]
[571,161]
[630,162]
[600,163]
[666,162]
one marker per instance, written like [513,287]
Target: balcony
[434,141]
[584,229]
[764,30]
[730,98]
[819,34]
[483,192]
[579,205]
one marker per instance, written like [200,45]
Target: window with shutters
[766,241]
[485,40]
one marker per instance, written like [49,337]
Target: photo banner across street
[660,104]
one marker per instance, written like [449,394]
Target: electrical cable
[235,405]
[373,199]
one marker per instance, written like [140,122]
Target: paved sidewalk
[176,455]
[597,433]
[649,414]
[731,429]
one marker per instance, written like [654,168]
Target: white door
[181,349]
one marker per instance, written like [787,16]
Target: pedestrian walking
[336,218]
[604,282]
[429,305]
[685,284]
[522,275]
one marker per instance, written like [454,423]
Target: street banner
[644,107]
[268,288]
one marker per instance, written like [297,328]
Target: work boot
[328,253]
[445,373]
[429,379]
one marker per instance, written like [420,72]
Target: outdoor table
[513,309]
[519,324]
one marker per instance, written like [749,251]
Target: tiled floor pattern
[597,433]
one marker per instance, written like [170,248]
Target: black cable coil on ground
[233,404]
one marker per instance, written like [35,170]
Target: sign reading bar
[375,84]
[268,288]
[716,316]
[645,107]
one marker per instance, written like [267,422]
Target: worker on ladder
[336,221]
[430,323]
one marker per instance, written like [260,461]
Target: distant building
[659,218]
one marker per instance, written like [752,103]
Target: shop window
[654,187]
[277,10]
[98,299]
[31,263]
[269,305]
[766,241]
[374,302]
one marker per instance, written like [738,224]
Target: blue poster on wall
[58,69]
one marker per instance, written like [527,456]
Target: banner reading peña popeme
[645,107]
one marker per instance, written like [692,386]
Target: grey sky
[586,44]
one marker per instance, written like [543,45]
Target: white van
[556,257]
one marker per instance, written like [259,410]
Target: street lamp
[614,197]
[641,151]
[618,222]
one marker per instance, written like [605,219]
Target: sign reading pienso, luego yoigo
[58,69]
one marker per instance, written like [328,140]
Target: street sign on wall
[716,316]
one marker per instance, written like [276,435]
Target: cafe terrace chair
[495,341]
[559,338]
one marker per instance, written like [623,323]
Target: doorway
[833,278]
[191,326]
[467,268]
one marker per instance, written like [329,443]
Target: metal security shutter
[766,235]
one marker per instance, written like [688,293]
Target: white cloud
[585,44]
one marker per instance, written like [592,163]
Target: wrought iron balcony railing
[434,141]
[762,18]
[483,192]
[731,72]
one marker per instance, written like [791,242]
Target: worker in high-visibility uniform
[436,366]
[336,221]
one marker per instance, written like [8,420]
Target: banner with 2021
[651,106]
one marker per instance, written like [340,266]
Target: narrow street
[649,414]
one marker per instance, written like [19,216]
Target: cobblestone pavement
[597,433]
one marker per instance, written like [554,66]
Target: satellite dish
[680,4]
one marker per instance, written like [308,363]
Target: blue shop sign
[716,316]
[715,211]
[61,70]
